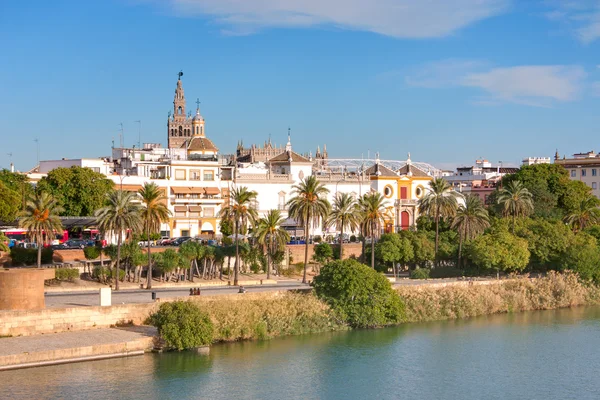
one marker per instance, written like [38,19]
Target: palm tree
[516,201]
[40,218]
[344,215]
[122,212]
[439,202]
[471,220]
[586,214]
[270,234]
[154,211]
[310,206]
[240,212]
[373,213]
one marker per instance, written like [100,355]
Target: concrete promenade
[65,347]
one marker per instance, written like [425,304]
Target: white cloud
[580,16]
[534,85]
[596,88]
[537,85]
[397,18]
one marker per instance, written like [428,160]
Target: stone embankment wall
[26,323]
[297,251]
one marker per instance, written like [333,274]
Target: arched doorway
[404,220]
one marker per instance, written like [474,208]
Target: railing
[406,202]
[282,207]
[264,177]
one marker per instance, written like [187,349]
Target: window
[388,191]
[282,201]
[594,185]
[209,212]
[180,214]
[594,171]
[583,172]
[180,174]
[194,175]
[573,173]
[180,196]
[209,175]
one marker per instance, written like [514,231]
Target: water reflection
[536,355]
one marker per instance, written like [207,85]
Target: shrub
[419,273]
[183,325]
[294,269]
[103,274]
[21,256]
[352,238]
[317,239]
[66,274]
[360,296]
[91,252]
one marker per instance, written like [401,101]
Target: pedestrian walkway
[66,347]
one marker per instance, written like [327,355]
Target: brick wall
[297,251]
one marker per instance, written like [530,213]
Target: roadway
[128,296]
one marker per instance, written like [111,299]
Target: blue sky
[446,80]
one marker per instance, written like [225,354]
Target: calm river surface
[536,355]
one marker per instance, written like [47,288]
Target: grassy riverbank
[514,295]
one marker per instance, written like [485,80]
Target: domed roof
[197,117]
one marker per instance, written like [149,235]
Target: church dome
[197,118]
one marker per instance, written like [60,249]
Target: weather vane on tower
[180,74]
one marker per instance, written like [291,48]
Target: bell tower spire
[179,125]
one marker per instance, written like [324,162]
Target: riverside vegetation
[350,295]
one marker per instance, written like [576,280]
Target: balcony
[405,202]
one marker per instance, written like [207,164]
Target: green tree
[192,252]
[270,234]
[168,262]
[323,253]
[440,202]
[582,255]
[499,251]
[586,214]
[470,221]
[361,296]
[183,325]
[154,211]
[310,206]
[547,241]
[226,228]
[516,201]
[121,212]
[4,242]
[344,216]
[240,212]
[40,218]
[79,191]
[393,248]
[18,185]
[10,204]
[373,213]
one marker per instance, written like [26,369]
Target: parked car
[72,244]
[144,243]
[180,240]
[164,241]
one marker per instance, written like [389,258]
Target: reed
[556,290]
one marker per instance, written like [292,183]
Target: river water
[542,355]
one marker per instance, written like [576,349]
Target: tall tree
[270,234]
[154,212]
[439,202]
[516,201]
[40,218]
[471,220]
[80,191]
[15,189]
[121,212]
[373,213]
[240,212]
[310,206]
[585,215]
[344,216]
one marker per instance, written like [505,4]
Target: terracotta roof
[409,168]
[382,169]
[285,157]
[199,143]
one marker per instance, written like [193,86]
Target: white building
[536,160]
[584,167]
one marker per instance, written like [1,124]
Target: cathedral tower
[179,126]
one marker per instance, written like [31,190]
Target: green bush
[359,295]
[183,325]
[66,274]
[353,239]
[294,269]
[102,274]
[21,256]
[419,273]
[91,252]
